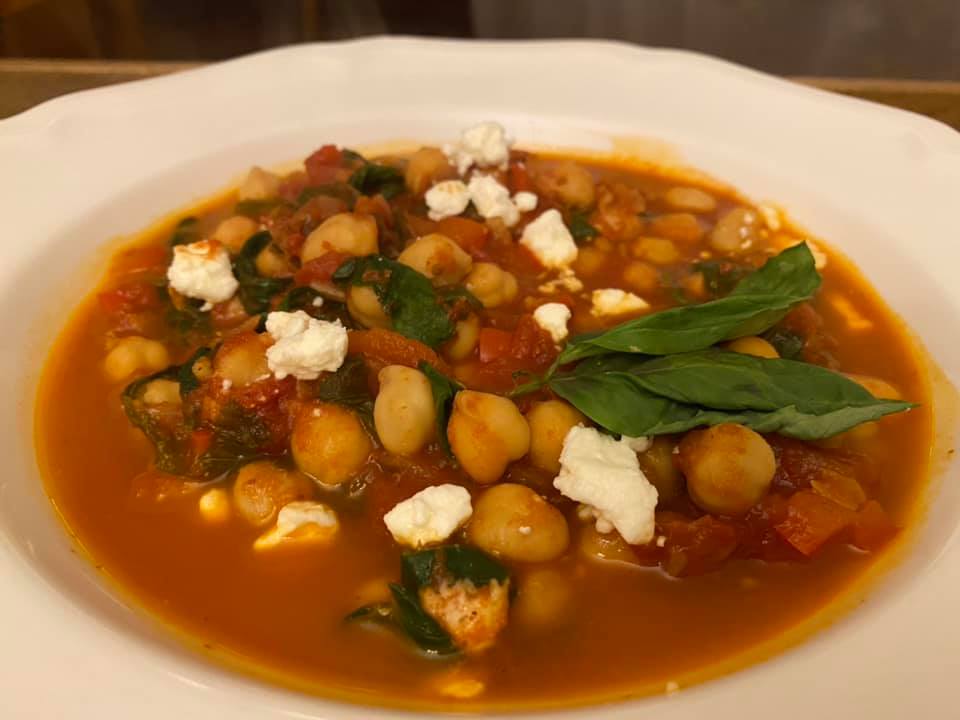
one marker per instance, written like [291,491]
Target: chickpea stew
[479,427]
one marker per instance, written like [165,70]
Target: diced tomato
[420,226]
[392,348]
[471,235]
[799,464]
[872,528]
[494,344]
[518,178]
[129,298]
[812,520]
[694,547]
[200,441]
[376,206]
[323,164]
[320,269]
[292,185]
[141,258]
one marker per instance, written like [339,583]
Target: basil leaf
[787,344]
[417,624]
[256,291]
[758,302]
[580,227]
[617,393]
[373,178]
[187,231]
[443,389]
[341,191]
[720,278]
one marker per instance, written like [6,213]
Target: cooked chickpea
[569,182]
[242,359]
[425,167]
[590,260]
[486,433]
[690,199]
[682,227]
[364,307]
[875,386]
[438,257]
[737,230]
[659,251]
[466,333]
[641,277]
[262,488]
[658,465]
[161,391]
[492,285]
[135,355]
[350,233]
[728,468]
[214,505]
[514,522]
[610,546]
[329,442]
[404,412]
[272,262]
[233,232]
[549,422]
[259,185]
[752,345]
[544,599]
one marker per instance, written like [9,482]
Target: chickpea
[329,442]
[737,230]
[233,232]
[351,233]
[875,386]
[753,345]
[425,167]
[438,257]
[728,468]
[135,355]
[657,464]
[161,392]
[544,599]
[514,522]
[259,185]
[659,251]
[590,260]
[404,413]
[486,432]
[690,199]
[682,227]
[492,285]
[466,333]
[610,546]
[242,359]
[364,307]
[550,422]
[272,262]
[641,277]
[262,488]
[569,182]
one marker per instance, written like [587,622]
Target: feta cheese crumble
[567,280]
[613,301]
[485,145]
[430,516]
[446,199]
[604,473]
[525,201]
[549,240]
[202,270]
[553,318]
[491,199]
[637,444]
[305,346]
[302,520]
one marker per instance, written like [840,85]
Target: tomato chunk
[392,348]
[694,547]
[129,298]
[812,520]
[872,528]
[468,234]
[494,344]
[322,165]
[320,269]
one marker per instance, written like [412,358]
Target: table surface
[25,83]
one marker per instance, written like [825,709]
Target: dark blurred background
[913,39]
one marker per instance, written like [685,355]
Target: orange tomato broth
[632,630]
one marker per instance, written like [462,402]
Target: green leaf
[758,302]
[373,178]
[341,191]
[298,298]
[720,278]
[187,231]
[640,396]
[464,562]
[580,227]
[417,624]
[256,291]
[787,344]
[443,389]
[417,568]
[163,429]
[348,387]
[188,381]
[188,318]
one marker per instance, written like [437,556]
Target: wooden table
[25,83]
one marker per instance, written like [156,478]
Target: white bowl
[881,184]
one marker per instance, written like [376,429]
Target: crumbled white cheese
[430,516]
[525,201]
[567,280]
[202,270]
[549,240]
[226,384]
[317,301]
[637,444]
[661,541]
[604,473]
[553,318]
[492,200]
[305,346]
[303,521]
[613,301]
[485,145]
[446,199]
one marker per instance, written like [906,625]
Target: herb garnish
[373,178]
[256,291]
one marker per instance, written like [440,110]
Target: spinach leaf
[300,297]
[348,387]
[188,318]
[443,389]
[720,278]
[417,624]
[163,428]
[580,227]
[641,396]
[256,291]
[416,310]
[373,178]
[417,568]
[341,191]
[185,375]
[238,438]
[458,562]
[760,300]
[787,344]
[187,231]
